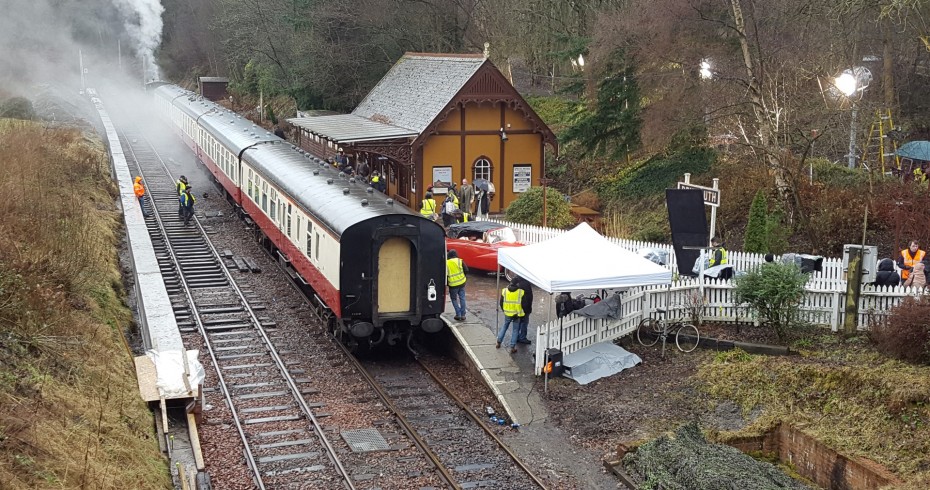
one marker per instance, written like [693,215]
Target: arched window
[482,169]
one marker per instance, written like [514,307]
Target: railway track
[273,408]
[284,442]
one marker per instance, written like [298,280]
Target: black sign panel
[688,222]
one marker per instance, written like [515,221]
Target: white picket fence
[832,268]
[823,303]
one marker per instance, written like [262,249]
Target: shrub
[905,333]
[757,228]
[528,207]
[653,176]
[773,291]
[17,108]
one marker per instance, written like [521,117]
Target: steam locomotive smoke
[144,26]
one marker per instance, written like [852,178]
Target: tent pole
[497,308]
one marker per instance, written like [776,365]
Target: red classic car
[477,242]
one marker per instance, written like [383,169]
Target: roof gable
[417,88]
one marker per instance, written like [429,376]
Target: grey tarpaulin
[598,361]
[608,308]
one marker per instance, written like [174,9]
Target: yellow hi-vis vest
[513,302]
[455,273]
[910,260]
[723,257]
[429,207]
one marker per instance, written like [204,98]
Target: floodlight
[705,72]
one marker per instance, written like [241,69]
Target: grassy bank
[849,397]
[70,413]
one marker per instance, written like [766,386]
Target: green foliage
[557,112]
[528,208]
[17,108]
[772,290]
[836,175]
[654,175]
[757,240]
[686,460]
[611,128]
[269,111]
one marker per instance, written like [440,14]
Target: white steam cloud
[143,26]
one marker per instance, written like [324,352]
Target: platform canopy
[581,259]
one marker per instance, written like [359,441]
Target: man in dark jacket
[886,275]
[527,309]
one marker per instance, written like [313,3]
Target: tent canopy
[581,259]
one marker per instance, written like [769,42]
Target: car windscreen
[499,235]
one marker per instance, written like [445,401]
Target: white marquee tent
[581,259]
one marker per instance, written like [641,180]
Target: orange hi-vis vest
[138,189]
[910,261]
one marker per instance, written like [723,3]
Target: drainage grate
[365,440]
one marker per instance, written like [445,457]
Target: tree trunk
[888,63]
[765,132]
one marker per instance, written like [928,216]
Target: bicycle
[651,330]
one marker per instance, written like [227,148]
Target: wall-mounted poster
[444,175]
[522,177]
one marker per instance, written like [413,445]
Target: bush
[653,176]
[773,291]
[17,108]
[528,207]
[757,228]
[905,333]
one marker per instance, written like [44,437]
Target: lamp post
[544,181]
[852,84]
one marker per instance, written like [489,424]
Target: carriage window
[264,202]
[482,169]
[288,219]
[309,237]
[317,246]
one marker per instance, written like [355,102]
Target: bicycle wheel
[648,332]
[687,338]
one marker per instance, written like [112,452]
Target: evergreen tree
[611,127]
[757,229]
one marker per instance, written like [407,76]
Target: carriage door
[394,264]
[403,183]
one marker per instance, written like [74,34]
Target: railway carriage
[377,268]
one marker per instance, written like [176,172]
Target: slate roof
[349,128]
[417,88]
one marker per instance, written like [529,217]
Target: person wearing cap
[455,279]
[719,256]
[428,206]
[467,191]
[187,201]
[139,190]
[181,185]
[342,161]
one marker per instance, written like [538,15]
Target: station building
[435,119]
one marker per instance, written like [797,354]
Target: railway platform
[509,376]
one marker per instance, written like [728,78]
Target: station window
[482,169]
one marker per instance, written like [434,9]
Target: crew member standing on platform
[910,256]
[139,189]
[467,203]
[455,278]
[187,204]
[527,309]
[512,304]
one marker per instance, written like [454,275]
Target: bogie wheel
[648,331]
[687,338]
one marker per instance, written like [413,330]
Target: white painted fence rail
[823,302]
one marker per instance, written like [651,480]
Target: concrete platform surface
[515,387]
